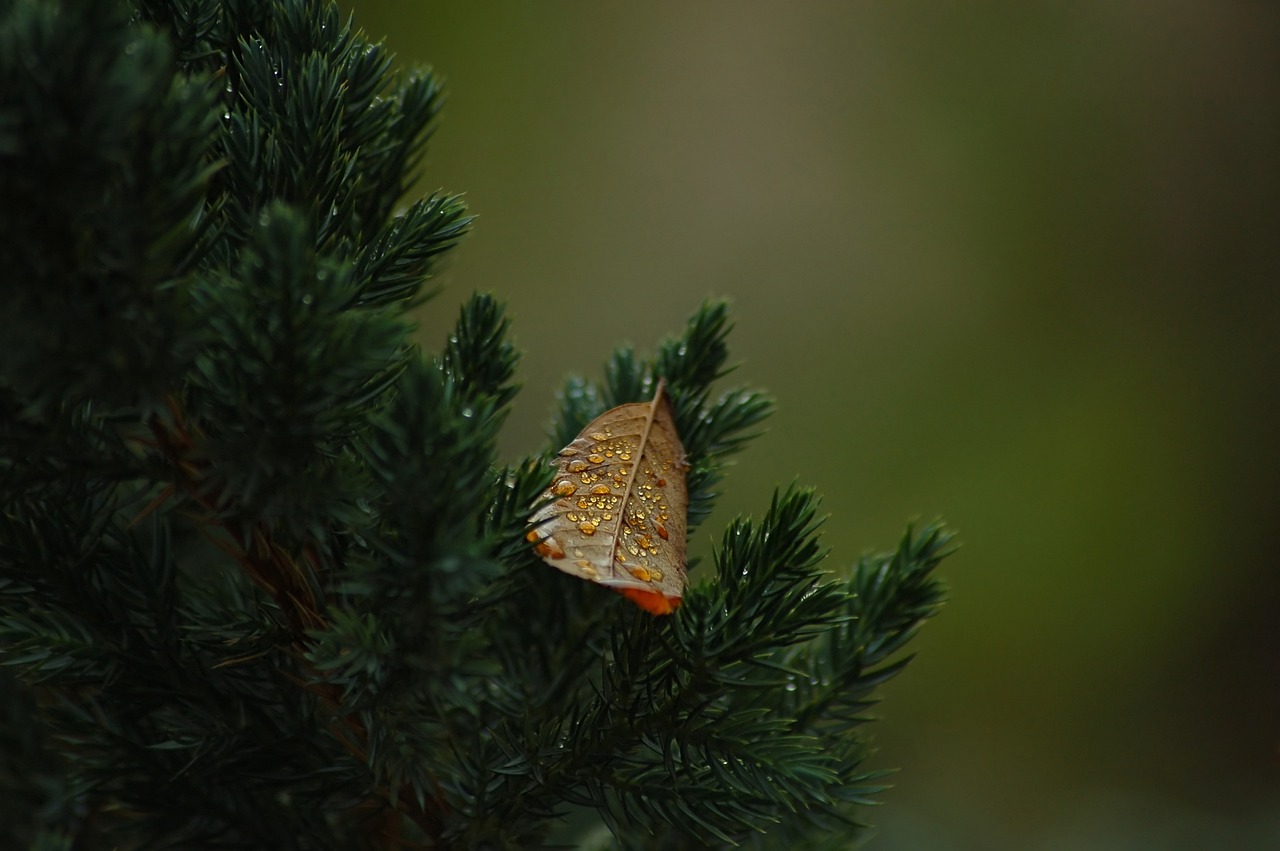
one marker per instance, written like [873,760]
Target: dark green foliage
[264,582]
[104,156]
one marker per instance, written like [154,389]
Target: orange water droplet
[598,436]
[625,456]
[662,532]
[595,458]
[576,466]
[588,528]
[567,451]
[564,487]
[582,503]
[641,573]
[600,489]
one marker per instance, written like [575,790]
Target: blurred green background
[1014,264]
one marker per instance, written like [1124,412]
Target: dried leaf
[619,505]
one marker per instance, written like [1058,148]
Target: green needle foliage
[263,582]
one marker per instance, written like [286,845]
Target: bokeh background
[1014,264]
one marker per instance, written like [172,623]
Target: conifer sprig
[264,582]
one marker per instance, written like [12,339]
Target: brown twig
[291,585]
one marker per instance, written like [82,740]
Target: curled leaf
[618,507]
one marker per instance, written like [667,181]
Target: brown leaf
[620,505]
